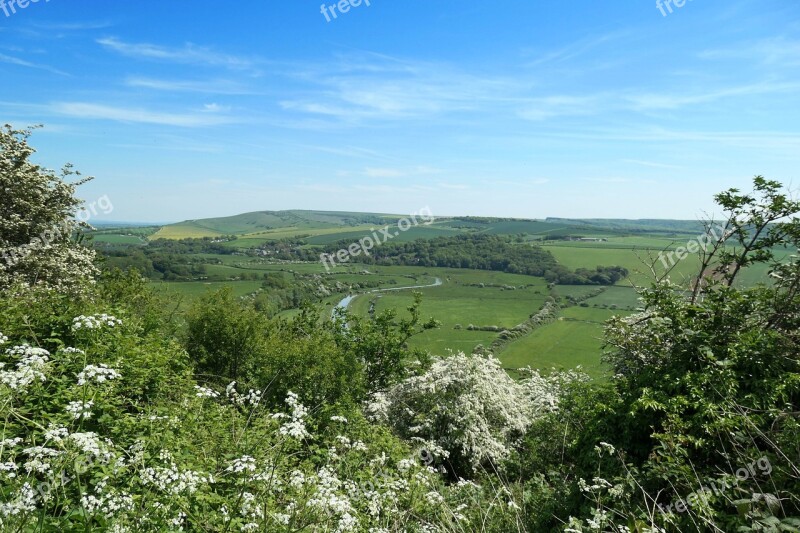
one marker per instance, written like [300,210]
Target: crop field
[183,294]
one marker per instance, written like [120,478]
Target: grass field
[595,254]
[110,238]
[575,339]
[460,301]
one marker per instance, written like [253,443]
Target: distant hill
[638,225]
[327,226]
[269,221]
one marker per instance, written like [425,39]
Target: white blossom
[205,392]
[295,427]
[90,322]
[98,374]
[30,367]
[80,409]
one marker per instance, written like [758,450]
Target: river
[348,299]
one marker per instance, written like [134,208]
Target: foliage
[37,222]
[486,252]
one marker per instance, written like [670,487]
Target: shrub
[466,409]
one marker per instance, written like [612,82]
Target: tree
[38,245]
[224,337]
[709,381]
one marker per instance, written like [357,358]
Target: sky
[520,108]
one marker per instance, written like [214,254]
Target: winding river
[348,299]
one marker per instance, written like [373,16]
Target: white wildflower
[244,463]
[106,501]
[205,392]
[10,443]
[95,322]
[296,427]
[172,480]
[79,409]
[56,433]
[31,367]
[98,374]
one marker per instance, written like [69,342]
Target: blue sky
[525,108]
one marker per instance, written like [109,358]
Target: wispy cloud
[561,105]
[657,101]
[571,50]
[72,26]
[195,86]
[383,173]
[372,172]
[776,51]
[374,87]
[189,54]
[22,63]
[126,114]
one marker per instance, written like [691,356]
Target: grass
[183,294]
[184,231]
[590,255]
[111,238]
[561,345]
[459,301]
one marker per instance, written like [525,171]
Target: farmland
[271,258]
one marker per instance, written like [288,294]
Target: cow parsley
[98,374]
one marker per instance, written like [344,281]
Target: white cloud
[188,54]
[194,86]
[22,63]
[125,114]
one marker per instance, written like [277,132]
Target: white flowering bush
[37,223]
[465,409]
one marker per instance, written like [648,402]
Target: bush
[466,410]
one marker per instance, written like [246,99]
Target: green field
[636,260]
[111,238]
[460,301]
[483,299]
[575,339]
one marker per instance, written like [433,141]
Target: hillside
[269,221]
[328,225]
